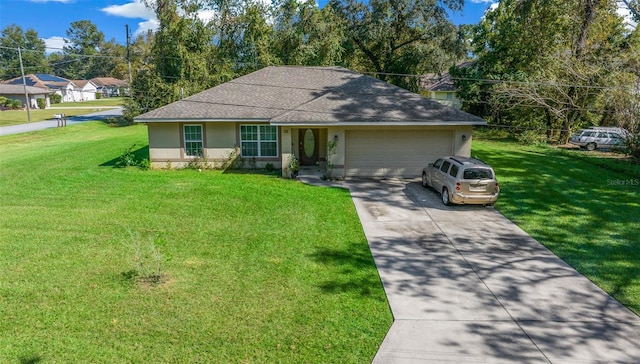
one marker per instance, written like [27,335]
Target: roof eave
[193,120]
[383,123]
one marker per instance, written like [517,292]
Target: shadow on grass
[31,359]
[138,156]
[356,271]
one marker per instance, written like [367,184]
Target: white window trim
[259,141]
[184,139]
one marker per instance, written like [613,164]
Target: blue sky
[51,18]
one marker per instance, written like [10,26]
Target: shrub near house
[6,103]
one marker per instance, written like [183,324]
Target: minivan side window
[445,166]
[454,171]
[437,164]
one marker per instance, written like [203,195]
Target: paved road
[466,285]
[41,125]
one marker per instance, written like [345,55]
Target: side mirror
[430,164]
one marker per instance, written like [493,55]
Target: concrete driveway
[466,285]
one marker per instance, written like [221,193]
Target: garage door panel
[394,153]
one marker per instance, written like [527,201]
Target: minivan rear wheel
[591,147]
[445,197]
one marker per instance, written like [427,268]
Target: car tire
[445,197]
[591,147]
[425,183]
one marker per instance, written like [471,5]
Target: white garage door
[392,153]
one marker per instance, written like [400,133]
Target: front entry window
[309,143]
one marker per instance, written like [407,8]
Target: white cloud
[144,26]
[206,15]
[493,2]
[625,13]
[53,44]
[137,10]
[134,9]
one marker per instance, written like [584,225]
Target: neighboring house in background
[358,124]
[111,87]
[17,92]
[440,88]
[67,89]
[86,89]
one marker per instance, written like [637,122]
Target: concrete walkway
[47,124]
[466,285]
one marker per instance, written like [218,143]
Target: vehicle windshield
[477,173]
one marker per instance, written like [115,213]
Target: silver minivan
[462,180]
[599,138]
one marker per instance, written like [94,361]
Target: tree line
[545,65]
[553,66]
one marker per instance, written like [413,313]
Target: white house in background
[17,92]
[80,90]
[111,87]
[86,90]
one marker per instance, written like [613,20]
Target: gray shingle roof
[288,95]
[6,89]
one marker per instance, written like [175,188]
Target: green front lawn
[583,206]
[254,268]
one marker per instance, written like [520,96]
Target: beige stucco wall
[220,145]
[164,144]
[221,142]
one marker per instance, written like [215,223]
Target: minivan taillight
[458,186]
[497,187]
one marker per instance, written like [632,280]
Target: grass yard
[255,268]
[14,117]
[583,207]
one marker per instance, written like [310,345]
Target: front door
[308,146]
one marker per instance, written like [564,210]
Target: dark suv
[462,180]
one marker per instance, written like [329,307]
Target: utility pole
[24,83]
[126,27]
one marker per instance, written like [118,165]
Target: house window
[259,140]
[193,145]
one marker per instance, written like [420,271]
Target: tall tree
[178,63]
[82,45]
[400,37]
[110,61]
[305,34]
[182,45]
[32,49]
[554,56]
